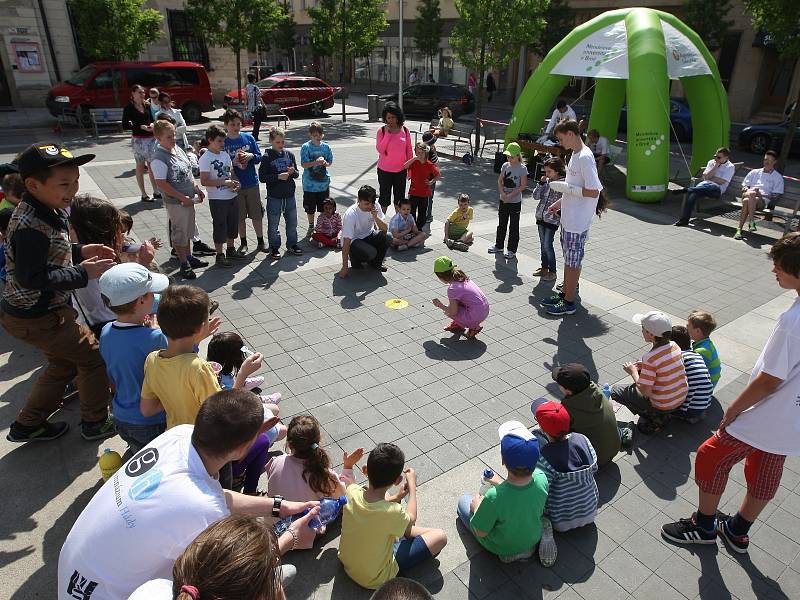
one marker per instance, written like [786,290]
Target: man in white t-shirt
[562,112]
[364,233]
[760,426]
[763,185]
[162,498]
[716,178]
[600,148]
[580,201]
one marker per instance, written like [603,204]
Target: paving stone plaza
[371,374]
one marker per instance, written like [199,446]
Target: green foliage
[285,37]
[361,21]
[115,29]
[708,20]
[560,19]
[779,18]
[428,27]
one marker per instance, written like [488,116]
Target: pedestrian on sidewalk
[137,118]
[393,143]
[491,86]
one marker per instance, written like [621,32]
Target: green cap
[513,149]
[443,264]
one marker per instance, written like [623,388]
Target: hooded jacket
[592,415]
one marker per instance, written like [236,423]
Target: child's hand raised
[251,364]
[211,327]
[96,266]
[97,251]
[349,460]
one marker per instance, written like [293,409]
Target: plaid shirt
[41,278]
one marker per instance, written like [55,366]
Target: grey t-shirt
[176,169]
[512,175]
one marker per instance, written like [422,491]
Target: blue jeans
[463,510]
[138,436]
[410,552]
[704,189]
[276,206]
[546,237]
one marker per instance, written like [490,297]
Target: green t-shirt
[511,515]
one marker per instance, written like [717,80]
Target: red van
[94,87]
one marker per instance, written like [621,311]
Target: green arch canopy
[632,54]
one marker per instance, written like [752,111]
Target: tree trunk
[794,118]
[479,99]
[238,52]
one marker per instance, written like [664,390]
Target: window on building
[186,45]
[727,56]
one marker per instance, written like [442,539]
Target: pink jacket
[394,149]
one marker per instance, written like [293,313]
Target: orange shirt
[662,368]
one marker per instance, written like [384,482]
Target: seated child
[373,520]
[446,123]
[13,188]
[128,290]
[591,413]
[548,221]
[404,230]
[570,462]
[700,324]
[507,521]
[456,233]
[5,219]
[659,380]
[468,306]
[698,397]
[329,224]
[401,588]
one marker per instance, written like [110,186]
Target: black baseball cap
[38,157]
[572,376]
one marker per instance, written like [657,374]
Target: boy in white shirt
[600,148]
[716,179]
[364,230]
[759,185]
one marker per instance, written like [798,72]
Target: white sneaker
[548,551]
[253,382]
[494,249]
[509,255]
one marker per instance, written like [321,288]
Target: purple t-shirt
[471,298]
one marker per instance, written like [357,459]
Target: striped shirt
[708,351]
[570,466]
[662,368]
[700,386]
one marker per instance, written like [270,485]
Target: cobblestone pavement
[371,374]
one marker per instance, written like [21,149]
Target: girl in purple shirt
[393,143]
[468,306]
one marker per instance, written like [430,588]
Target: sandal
[454,328]
[473,332]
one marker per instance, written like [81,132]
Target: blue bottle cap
[488,473]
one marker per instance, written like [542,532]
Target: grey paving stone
[482,575]
[368,417]
[624,569]
[427,439]
[446,456]
[384,432]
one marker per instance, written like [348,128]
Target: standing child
[698,398]
[512,180]
[405,233]
[329,224]
[315,158]
[430,140]
[255,105]
[279,170]
[547,221]
[468,306]
[700,324]
[13,188]
[215,175]
[456,233]
[423,175]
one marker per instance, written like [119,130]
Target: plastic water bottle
[328,511]
[486,481]
[607,390]
[156,302]
[109,463]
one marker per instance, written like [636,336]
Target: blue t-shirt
[247,177]
[316,178]
[124,349]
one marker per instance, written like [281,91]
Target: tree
[285,37]
[560,19]
[480,44]
[235,24]
[428,28]
[708,20]
[781,19]
[115,29]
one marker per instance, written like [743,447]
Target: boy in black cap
[35,307]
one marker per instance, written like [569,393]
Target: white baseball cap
[655,322]
[128,281]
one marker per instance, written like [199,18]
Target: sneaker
[650,426]
[561,309]
[540,271]
[196,263]
[686,531]
[261,248]
[737,543]
[471,333]
[275,253]
[146,198]
[157,195]
[738,234]
[454,328]
[552,300]
[242,249]
[45,432]
[549,276]
[233,253]
[200,248]
[509,255]
[187,273]
[222,261]
[548,551]
[173,252]
[320,245]
[429,219]
[681,223]
[751,226]
[560,287]
[402,247]
[213,305]
[253,382]
[271,398]
[98,430]
[381,267]
[294,250]
[449,243]
[460,246]
[494,249]
[626,435]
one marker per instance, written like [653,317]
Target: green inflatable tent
[632,54]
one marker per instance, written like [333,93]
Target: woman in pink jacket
[394,149]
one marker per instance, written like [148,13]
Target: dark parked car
[680,119]
[767,136]
[427,98]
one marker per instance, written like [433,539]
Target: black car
[767,136]
[427,98]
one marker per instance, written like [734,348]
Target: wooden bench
[105,117]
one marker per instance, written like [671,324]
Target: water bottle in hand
[486,481]
[328,511]
[607,390]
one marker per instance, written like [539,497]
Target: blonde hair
[276,132]
[421,146]
[161,127]
[455,274]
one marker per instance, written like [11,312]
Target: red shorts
[717,455]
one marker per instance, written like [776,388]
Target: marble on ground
[371,375]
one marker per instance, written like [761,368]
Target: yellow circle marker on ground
[396,303]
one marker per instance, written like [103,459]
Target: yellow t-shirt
[369,531]
[459,219]
[181,384]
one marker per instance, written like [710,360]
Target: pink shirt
[285,478]
[394,149]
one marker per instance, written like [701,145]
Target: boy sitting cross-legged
[379,535]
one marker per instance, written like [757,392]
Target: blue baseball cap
[518,446]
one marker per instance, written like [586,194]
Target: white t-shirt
[140,521]
[601,146]
[218,166]
[90,306]
[577,214]
[357,224]
[725,171]
[253,96]
[558,116]
[770,184]
[773,425]
[155,589]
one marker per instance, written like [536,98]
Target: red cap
[553,418]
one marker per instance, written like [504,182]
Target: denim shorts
[409,552]
[138,436]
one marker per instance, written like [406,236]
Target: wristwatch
[276,506]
